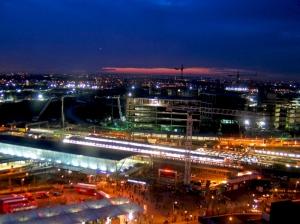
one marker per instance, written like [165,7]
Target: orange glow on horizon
[171,71]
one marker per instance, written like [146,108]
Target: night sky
[210,35]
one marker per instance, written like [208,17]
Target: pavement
[167,207]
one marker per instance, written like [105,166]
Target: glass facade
[97,164]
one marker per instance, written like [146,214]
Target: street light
[246,122]
[22,182]
[108,220]
[175,203]
[130,216]
[262,124]
[40,97]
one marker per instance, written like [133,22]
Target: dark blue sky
[86,35]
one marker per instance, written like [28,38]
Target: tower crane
[118,102]
[181,68]
[189,127]
[37,118]
[62,98]
[237,76]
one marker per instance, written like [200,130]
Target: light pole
[62,110]
[62,113]
[174,203]
[22,183]
[185,214]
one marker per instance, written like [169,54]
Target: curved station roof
[74,213]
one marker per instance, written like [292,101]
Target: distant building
[293,115]
[287,115]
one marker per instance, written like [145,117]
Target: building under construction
[170,115]
[155,114]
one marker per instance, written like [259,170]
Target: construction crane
[118,102]
[119,109]
[37,118]
[237,76]
[62,98]
[189,127]
[188,146]
[181,68]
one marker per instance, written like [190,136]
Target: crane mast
[188,147]
[189,128]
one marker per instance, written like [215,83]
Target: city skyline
[213,36]
[149,111]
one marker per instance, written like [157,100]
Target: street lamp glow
[130,94]
[262,124]
[108,220]
[247,122]
[130,216]
[40,96]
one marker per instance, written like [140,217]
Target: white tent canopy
[74,213]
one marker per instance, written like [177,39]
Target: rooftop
[74,213]
[66,148]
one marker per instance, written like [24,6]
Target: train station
[82,157]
